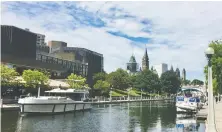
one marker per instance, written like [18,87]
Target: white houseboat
[190,100]
[57,101]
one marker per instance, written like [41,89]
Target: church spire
[145,61]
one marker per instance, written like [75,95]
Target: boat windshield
[73,96]
[189,93]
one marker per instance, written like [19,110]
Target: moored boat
[58,101]
[189,100]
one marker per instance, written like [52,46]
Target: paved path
[202,114]
[218,116]
[10,107]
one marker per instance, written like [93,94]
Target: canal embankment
[11,107]
[131,100]
[202,115]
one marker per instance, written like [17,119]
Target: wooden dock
[202,115]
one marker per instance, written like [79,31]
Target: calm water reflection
[127,117]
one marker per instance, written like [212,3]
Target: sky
[175,33]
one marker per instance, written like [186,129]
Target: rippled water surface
[125,117]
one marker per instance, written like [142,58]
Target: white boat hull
[186,107]
[35,105]
[53,108]
[179,109]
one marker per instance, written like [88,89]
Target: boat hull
[51,105]
[185,110]
[53,108]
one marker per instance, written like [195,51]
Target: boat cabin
[74,94]
[194,95]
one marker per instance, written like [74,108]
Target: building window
[64,62]
[43,58]
[38,57]
[59,61]
[86,70]
[55,60]
[67,64]
[83,70]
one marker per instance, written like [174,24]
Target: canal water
[153,116]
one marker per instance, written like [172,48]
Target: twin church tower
[132,65]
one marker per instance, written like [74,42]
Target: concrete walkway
[9,107]
[202,115]
[134,100]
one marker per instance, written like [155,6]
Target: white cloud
[115,49]
[188,27]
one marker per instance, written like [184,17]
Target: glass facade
[85,56]
[71,66]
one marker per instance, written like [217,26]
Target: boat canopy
[191,89]
[58,90]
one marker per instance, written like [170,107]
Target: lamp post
[110,94]
[39,90]
[141,94]
[128,93]
[211,115]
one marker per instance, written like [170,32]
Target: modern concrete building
[19,50]
[93,60]
[56,46]
[171,68]
[178,72]
[40,40]
[17,42]
[161,68]
[184,74]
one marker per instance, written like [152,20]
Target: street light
[211,115]
[110,94]
[141,94]
[128,93]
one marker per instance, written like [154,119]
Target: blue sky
[176,33]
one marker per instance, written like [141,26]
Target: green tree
[170,82]
[102,86]
[76,82]
[148,81]
[34,78]
[197,82]
[47,73]
[216,66]
[99,76]
[8,75]
[186,82]
[132,80]
[119,79]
